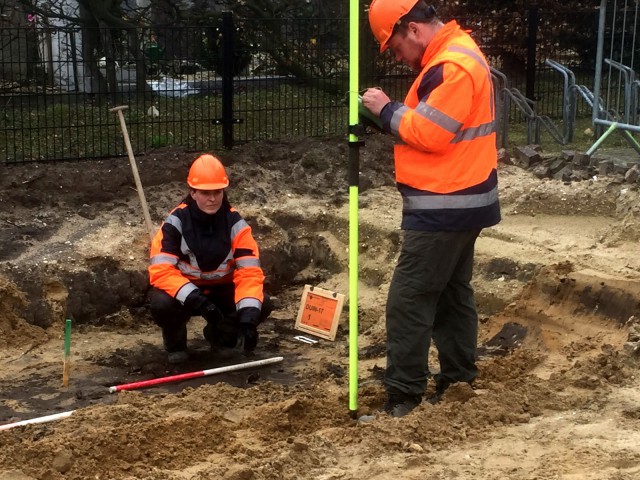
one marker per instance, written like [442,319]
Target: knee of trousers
[165,309]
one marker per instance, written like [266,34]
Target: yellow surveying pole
[354,166]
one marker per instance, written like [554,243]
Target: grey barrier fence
[617,83]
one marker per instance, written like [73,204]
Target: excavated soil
[558,292]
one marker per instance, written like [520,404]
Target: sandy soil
[558,291]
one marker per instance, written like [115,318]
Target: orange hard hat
[207,173]
[384,15]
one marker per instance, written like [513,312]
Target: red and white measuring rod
[148,383]
[47,418]
[190,375]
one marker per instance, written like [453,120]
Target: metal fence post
[74,59]
[532,22]
[227,79]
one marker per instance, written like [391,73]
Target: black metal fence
[205,88]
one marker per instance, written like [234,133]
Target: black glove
[249,315]
[249,336]
[211,313]
[199,304]
[248,318]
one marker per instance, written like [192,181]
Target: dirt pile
[14,330]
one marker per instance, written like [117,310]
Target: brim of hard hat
[210,186]
[384,47]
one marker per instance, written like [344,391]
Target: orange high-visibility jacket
[193,250]
[446,157]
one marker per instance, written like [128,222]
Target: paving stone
[580,175]
[542,171]
[632,175]
[621,167]
[581,160]
[504,157]
[605,167]
[564,174]
[527,156]
[567,155]
[557,165]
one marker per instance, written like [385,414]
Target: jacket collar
[201,216]
[442,36]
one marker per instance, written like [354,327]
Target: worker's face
[408,48]
[209,201]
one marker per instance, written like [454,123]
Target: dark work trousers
[430,295]
[172,317]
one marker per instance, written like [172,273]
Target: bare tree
[108,27]
[301,36]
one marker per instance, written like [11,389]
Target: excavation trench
[107,298]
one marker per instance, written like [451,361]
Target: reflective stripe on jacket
[192,250]
[445,157]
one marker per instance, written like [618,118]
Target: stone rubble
[572,166]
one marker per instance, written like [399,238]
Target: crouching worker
[205,262]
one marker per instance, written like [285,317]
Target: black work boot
[400,404]
[175,343]
[441,385]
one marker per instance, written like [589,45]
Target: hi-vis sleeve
[164,256]
[248,276]
[439,116]
[445,103]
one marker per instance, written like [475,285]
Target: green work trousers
[431,296]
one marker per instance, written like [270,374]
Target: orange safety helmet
[207,173]
[384,15]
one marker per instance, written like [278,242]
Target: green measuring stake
[67,353]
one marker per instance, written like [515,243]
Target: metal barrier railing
[629,78]
[617,33]
[569,100]
[506,97]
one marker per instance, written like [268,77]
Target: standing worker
[446,171]
[204,261]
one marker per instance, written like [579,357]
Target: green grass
[583,137]
[83,130]
[78,130]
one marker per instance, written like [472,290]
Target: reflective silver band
[439,118]
[247,262]
[444,202]
[163,258]
[220,272]
[474,132]
[175,222]
[471,53]
[184,292]
[248,302]
[237,228]
[397,118]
